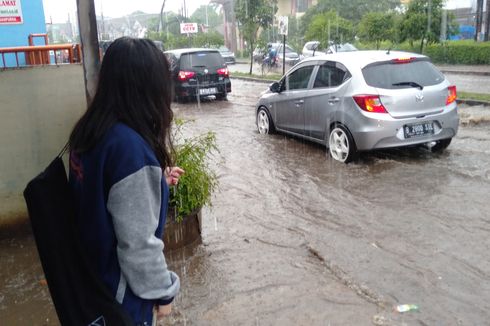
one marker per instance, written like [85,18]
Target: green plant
[197,184]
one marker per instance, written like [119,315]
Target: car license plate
[419,129]
[207,91]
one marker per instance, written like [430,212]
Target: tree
[329,26]
[212,39]
[252,15]
[422,21]
[295,38]
[377,27]
[213,18]
[352,10]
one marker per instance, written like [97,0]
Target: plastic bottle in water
[406,307]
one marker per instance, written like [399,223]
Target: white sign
[186,28]
[10,12]
[283,25]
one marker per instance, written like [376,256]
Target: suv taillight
[370,103]
[223,71]
[451,95]
[185,75]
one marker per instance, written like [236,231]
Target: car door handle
[299,103]
[333,100]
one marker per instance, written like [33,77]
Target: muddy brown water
[294,238]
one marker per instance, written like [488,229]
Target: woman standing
[120,159]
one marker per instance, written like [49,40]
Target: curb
[464,72]
[257,80]
[471,102]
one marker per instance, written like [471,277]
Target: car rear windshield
[201,59]
[388,75]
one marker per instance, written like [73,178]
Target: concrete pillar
[87,24]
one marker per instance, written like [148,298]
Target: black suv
[198,72]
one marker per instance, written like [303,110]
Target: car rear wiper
[412,84]
[199,66]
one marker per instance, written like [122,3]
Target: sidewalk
[480,70]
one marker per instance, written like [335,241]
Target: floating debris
[406,307]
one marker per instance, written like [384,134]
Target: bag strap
[63,151]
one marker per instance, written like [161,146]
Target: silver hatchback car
[362,100]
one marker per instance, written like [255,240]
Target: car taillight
[403,60]
[223,71]
[184,75]
[370,103]
[451,95]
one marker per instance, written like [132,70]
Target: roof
[179,52]
[363,58]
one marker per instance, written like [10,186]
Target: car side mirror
[275,87]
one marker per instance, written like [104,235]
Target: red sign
[187,28]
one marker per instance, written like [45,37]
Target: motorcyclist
[272,53]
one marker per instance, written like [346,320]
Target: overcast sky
[58,10]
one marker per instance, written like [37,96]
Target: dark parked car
[198,72]
[227,55]
[292,57]
[258,54]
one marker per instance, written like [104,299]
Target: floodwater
[294,238]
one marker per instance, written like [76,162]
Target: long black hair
[134,88]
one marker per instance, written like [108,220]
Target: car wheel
[439,145]
[222,96]
[341,144]
[182,99]
[264,122]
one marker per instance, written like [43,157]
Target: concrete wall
[38,108]
[17,34]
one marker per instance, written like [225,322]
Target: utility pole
[160,26]
[429,18]
[487,23]
[207,19]
[479,18]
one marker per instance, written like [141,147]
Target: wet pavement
[294,238]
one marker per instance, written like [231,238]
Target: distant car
[198,73]
[159,45]
[103,46]
[362,100]
[292,57]
[227,55]
[313,48]
[258,54]
[344,47]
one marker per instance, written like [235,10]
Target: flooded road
[294,238]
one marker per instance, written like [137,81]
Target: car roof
[179,52]
[312,42]
[364,58]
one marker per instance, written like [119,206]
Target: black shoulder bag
[79,296]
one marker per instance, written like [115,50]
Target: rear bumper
[378,131]
[192,90]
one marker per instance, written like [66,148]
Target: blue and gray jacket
[121,200]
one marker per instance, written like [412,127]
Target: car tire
[440,145]
[264,122]
[341,144]
[222,96]
[182,99]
